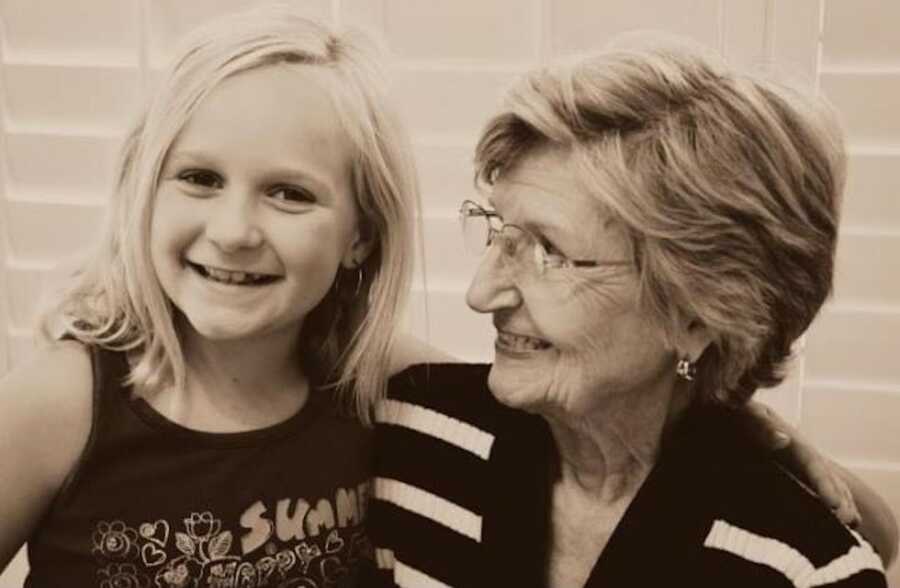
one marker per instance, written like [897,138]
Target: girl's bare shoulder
[46,406]
[45,421]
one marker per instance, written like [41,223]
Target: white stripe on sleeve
[432,423]
[787,560]
[430,506]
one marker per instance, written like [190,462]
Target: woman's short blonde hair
[727,184]
[117,301]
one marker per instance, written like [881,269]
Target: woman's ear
[694,340]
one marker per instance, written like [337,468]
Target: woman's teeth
[227,277]
[521,342]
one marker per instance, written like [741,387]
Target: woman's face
[570,339]
[255,209]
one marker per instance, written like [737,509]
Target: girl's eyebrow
[185,157]
[299,176]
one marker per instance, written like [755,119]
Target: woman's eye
[550,249]
[292,195]
[201,177]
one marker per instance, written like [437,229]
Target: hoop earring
[686,369]
[359,280]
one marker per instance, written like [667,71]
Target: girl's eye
[201,177]
[291,195]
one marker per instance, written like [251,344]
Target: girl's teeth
[230,277]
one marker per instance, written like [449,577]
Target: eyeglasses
[520,249]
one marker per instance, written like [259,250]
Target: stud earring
[686,369]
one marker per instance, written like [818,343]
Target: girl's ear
[360,248]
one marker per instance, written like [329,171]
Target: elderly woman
[659,232]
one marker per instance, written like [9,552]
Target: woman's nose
[232,224]
[492,286]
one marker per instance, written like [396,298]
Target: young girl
[192,428]
[257,253]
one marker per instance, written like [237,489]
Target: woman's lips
[520,343]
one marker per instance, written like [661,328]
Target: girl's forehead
[276,117]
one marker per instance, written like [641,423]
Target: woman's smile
[515,344]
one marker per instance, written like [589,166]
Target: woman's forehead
[547,187]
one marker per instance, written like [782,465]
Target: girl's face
[255,209]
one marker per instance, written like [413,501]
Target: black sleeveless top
[153,504]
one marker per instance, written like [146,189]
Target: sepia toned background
[73,72]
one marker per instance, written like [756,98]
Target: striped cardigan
[462,488]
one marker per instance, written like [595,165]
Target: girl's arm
[854,502]
[45,419]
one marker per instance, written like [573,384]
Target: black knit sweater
[462,488]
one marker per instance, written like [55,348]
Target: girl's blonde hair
[116,300]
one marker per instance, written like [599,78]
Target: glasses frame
[469,209]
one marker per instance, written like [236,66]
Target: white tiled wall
[72,72]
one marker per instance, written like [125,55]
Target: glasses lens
[517,247]
[475,227]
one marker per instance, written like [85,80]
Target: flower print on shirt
[115,541]
[201,551]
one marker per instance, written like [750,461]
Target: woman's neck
[604,458]
[609,451]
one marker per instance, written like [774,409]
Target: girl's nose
[232,225]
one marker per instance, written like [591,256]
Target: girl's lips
[233,278]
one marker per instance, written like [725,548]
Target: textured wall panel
[367,14]
[48,233]
[99,31]
[743,36]
[25,291]
[852,424]
[67,99]
[861,33]
[445,172]
[854,345]
[500,30]
[169,20]
[868,269]
[576,25]
[872,196]
[453,101]
[22,347]
[445,256]
[455,328]
[796,37]
[867,102]
[60,167]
